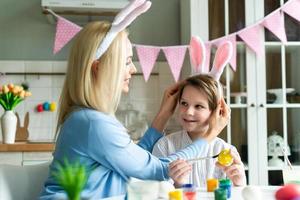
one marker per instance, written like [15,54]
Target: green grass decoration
[72,178]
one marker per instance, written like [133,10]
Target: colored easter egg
[46,106]
[225,158]
[40,108]
[52,106]
[287,192]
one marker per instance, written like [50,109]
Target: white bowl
[278,92]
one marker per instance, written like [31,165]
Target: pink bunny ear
[197,55]
[222,57]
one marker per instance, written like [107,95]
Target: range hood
[84,7]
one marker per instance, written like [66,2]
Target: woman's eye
[128,62]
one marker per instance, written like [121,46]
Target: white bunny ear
[127,10]
[223,55]
[121,21]
[197,55]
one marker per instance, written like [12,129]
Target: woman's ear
[95,67]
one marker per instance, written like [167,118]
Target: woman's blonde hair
[84,88]
[208,85]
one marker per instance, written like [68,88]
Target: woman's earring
[95,67]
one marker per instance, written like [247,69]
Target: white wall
[145,97]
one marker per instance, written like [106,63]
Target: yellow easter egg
[225,157]
[52,106]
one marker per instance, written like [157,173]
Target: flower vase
[9,126]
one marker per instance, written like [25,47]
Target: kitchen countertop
[27,147]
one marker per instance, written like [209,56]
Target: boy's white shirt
[201,170]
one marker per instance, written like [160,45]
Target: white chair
[22,182]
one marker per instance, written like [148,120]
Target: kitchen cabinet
[25,153]
[263,92]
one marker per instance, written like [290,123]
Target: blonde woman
[90,133]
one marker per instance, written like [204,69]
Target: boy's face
[194,110]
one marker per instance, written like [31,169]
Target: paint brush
[202,158]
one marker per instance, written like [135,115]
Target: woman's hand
[218,120]
[179,171]
[236,171]
[167,107]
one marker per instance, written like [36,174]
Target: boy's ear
[95,65]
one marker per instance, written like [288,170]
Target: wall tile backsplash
[143,97]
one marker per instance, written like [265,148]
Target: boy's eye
[199,107]
[183,103]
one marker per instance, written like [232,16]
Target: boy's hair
[208,85]
[84,88]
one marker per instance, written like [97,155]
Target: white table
[268,193]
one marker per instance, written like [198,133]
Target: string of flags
[147,55]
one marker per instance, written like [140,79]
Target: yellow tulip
[5,89]
[16,89]
[27,94]
[22,94]
[10,86]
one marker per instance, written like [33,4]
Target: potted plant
[10,96]
[72,178]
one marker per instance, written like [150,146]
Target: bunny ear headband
[121,21]
[198,55]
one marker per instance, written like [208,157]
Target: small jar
[176,195]
[220,194]
[226,184]
[189,192]
[212,184]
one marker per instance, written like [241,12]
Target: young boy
[198,98]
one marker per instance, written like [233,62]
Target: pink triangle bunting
[175,56]
[251,37]
[232,61]
[292,9]
[232,39]
[147,56]
[275,24]
[65,31]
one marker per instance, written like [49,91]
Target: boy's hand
[179,171]
[236,171]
